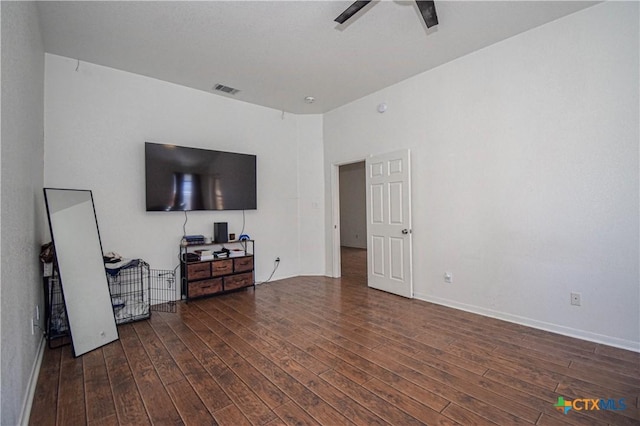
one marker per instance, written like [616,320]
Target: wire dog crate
[136,290]
[130,290]
[57,325]
[163,290]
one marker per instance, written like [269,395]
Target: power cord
[276,263]
[184,225]
[244,245]
[183,241]
[35,325]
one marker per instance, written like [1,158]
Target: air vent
[225,89]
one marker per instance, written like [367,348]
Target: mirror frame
[78,259]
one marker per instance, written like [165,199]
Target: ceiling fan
[427,9]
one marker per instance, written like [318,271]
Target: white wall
[525,174]
[311,202]
[96,122]
[353,205]
[21,205]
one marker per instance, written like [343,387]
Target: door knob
[405,231]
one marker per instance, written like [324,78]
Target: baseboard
[541,325]
[275,279]
[354,246]
[27,403]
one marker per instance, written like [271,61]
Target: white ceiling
[278,52]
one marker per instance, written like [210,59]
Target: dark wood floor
[314,350]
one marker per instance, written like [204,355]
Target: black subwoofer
[220,232]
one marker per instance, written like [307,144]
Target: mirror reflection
[74,231]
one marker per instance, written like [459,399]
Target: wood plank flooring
[315,350]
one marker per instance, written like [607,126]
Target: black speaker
[220,232]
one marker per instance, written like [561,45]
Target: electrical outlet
[37,313]
[33,327]
[448,277]
[575,299]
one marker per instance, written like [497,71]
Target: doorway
[387,221]
[353,221]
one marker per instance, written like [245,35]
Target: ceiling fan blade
[428,11]
[351,10]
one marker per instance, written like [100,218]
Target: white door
[389,223]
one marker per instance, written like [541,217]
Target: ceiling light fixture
[309,99]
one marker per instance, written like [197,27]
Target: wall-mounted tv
[179,178]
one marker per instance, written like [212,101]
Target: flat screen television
[179,178]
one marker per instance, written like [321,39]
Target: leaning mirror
[75,236]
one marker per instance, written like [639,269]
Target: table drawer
[205,288]
[241,264]
[237,281]
[199,270]
[222,267]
